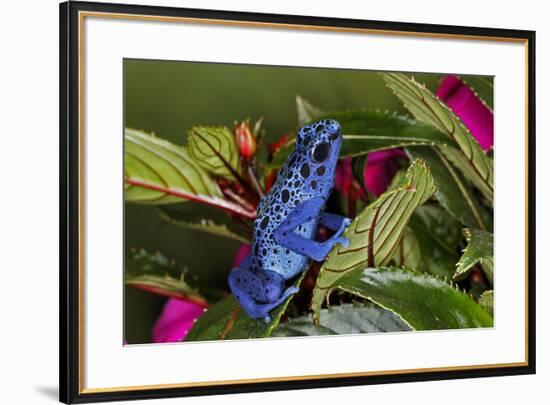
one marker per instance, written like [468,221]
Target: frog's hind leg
[258,292]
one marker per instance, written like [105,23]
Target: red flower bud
[246,142]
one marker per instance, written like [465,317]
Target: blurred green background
[168,98]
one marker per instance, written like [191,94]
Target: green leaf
[159,172]
[481,176]
[482,86]
[215,150]
[157,274]
[153,167]
[453,192]
[306,111]
[424,302]
[396,180]
[478,250]
[408,253]
[464,151]
[203,224]
[487,266]
[375,233]
[486,301]
[437,236]
[367,131]
[344,320]
[302,326]
[227,320]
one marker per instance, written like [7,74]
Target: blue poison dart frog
[288,217]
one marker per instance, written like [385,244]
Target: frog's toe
[260,311]
[321,254]
[288,292]
[343,241]
[345,223]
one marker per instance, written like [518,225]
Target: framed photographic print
[256,202]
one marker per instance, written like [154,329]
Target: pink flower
[344,176]
[176,320]
[381,167]
[477,117]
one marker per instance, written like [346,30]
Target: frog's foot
[334,222]
[258,292]
[325,247]
[341,240]
[266,308]
[345,223]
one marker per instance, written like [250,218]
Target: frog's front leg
[258,291]
[305,212]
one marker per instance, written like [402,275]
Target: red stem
[168,294]
[212,201]
[352,201]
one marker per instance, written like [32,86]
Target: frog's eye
[319,153]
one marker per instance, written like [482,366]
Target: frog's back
[308,173]
[274,209]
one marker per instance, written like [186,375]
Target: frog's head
[320,143]
[312,165]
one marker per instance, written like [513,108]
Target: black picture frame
[70,181]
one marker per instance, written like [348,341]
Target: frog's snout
[334,130]
[333,127]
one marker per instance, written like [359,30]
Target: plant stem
[254,181]
[238,199]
